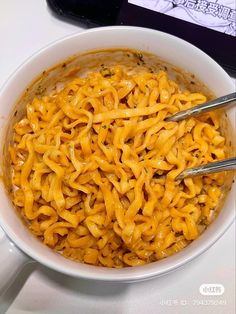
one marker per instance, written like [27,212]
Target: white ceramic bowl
[168,48]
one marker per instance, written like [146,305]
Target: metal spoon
[212,167]
[217,103]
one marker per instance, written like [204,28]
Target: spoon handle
[206,107]
[212,167]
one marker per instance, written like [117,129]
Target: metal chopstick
[212,167]
[220,102]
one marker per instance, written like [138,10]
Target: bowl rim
[141,272]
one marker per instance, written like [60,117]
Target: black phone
[208,24]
